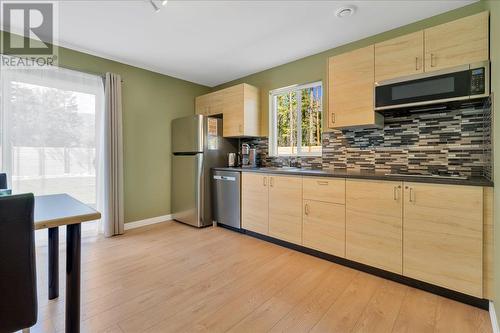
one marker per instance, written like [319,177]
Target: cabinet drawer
[324,227]
[324,189]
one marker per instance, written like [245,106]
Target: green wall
[314,68]
[150,102]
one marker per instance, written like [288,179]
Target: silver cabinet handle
[271,181]
[396,192]
[333,117]
[306,209]
[412,198]
[264,181]
[416,63]
[432,60]
[322,182]
[225,178]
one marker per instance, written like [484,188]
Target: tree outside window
[296,120]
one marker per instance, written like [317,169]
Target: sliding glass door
[51,131]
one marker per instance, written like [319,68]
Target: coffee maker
[248,156]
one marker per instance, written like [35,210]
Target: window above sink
[295,120]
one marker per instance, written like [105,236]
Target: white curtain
[51,123]
[112,155]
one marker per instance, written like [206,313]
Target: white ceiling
[212,42]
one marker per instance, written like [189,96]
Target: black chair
[18,299]
[3,181]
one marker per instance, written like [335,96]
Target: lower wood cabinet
[324,189]
[285,208]
[255,202]
[428,232]
[443,236]
[374,223]
[323,227]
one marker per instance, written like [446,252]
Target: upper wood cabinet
[255,202]
[459,42]
[443,236]
[399,57]
[239,106]
[351,78]
[374,223]
[285,208]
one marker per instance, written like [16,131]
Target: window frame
[273,132]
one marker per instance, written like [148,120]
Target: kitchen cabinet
[239,106]
[324,189]
[436,233]
[255,202]
[202,105]
[285,208]
[459,42]
[399,56]
[209,104]
[323,219]
[443,236]
[324,227]
[351,78]
[374,223]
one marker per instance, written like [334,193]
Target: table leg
[53,262]
[73,265]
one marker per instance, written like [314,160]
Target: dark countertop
[375,175]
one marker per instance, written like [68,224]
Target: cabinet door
[202,104]
[351,78]
[443,236]
[459,42]
[254,202]
[216,103]
[251,121]
[285,208]
[374,223]
[399,57]
[233,111]
[323,227]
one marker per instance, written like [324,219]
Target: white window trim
[272,119]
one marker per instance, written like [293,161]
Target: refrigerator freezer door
[187,189]
[187,134]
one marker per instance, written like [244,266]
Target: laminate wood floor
[173,278]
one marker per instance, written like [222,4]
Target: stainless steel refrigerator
[197,146]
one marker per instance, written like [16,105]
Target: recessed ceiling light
[345,11]
[164,2]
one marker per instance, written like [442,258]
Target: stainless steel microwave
[454,84]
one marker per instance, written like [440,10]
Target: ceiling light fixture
[164,2]
[155,7]
[345,11]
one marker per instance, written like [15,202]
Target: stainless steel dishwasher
[227,198]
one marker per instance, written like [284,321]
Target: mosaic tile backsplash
[441,140]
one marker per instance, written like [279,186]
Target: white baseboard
[153,220]
[493,318]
